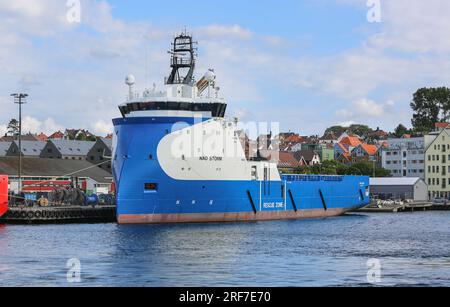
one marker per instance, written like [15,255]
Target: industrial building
[406,188]
[30,149]
[100,154]
[45,175]
[67,149]
[4,146]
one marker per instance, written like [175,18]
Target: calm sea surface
[412,249]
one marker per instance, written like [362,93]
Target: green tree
[337,130]
[430,105]
[361,130]
[13,127]
[401,131]
[342,169]
[382,172]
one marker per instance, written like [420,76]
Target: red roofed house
[366,152]
[329,138]
[351,142]
[42,137]
[441,126]
[56,136]
[342,154]
[287,160]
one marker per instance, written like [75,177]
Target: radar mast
[182,60]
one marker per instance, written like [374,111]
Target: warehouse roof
[54,168]
[73,148]
[108,142]
[394,181]
[31,148]
[4,146]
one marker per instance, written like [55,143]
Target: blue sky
[324,27]
[307,64]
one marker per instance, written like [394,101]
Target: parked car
[438,201]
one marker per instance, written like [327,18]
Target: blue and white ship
[178,159]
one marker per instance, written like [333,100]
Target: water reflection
[413,249]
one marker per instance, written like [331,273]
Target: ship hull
[230,217]
[138,164]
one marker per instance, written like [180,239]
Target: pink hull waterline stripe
[228,217]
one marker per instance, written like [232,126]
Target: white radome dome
[130,80]
[210,76]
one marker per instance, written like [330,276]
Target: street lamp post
[20,99]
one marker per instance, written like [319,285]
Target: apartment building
[437,164]
[405,157]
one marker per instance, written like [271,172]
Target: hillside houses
[366,152]
[308,157]
[293,150]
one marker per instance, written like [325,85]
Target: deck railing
[289,177]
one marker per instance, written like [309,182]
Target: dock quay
[399,206]
[59,215]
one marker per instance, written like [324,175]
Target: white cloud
[364,108]
[75,74]
[346,123]
[102,128]
[367,107]
[49,126]
[415,26]
[234,31]
[33,125]
[3,130]
[30,124]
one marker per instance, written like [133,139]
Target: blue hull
[135,165]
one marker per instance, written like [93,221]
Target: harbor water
[409,249]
